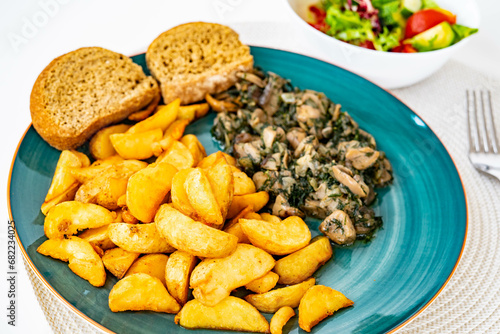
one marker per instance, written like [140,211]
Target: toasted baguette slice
[84,90]
[197,58]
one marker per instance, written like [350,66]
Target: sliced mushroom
[347,180]
[362,158]
[220,105]
[282,208]
[260,179]
[251,78]
[338,228]
[306,112]
[295,136]
[268,136]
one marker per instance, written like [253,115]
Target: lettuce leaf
[348,26]
[462,31]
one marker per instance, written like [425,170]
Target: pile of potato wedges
[164,218]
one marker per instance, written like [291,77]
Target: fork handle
[493,172]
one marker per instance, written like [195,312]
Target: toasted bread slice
[84,90]
[197,58]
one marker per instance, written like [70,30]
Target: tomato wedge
[426,19]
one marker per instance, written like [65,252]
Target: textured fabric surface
[470,302]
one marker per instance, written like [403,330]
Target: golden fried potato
[221,181]
[210,160]
[281,238]
[201,197]
[138,238]
[67,195]
[195,147]
[318,303]
[180,200]
[191,236]
[252,215]
[164,116]
[67,218]
[230,314]
[148,110]
[272,301]
[136,145]
[118,260]
[176,129]
[298,266]
[114,166]
[280,318]
[151,264]
[141,292]
[102,190]
[270,218]
[63,184]
[193,111]
[236,230]
[177,273]
[147,188]
[98,237]
[177,155]
[258,200]
[264,283]
[100,145]
[243,185]
[83,259]
[214,279]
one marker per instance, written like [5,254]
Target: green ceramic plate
[390,279]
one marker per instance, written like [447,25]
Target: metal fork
[483,143]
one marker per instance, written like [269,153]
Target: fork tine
[484,130]
[469,125]
[474,138]
[492,132]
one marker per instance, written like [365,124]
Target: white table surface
[33,32]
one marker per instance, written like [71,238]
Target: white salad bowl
[387,69]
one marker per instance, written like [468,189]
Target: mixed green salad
[389,25]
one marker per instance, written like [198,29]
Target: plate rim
[101,327]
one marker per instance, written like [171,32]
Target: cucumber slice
[437,37]
[408,7]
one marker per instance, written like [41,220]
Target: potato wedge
[193,111]
[102,190]
[252,215]
[270,218]
[243,185]
[180,200]
[141,292]
[148,110]
[83,259]
[236,230]
[67,218]
[272,301]
[98,237]
[118,260]
[176,129]
[138,238]
[195,147]
[221,181]
[164,116]
[178,155]
[67,195]
[201,197]
[63,180]
[114,166]
[280,318]
[264,283]
[210,160]
[281,238]
[100,145]
[151,264]
[147,188]
[214,279]
[318,303]
[177,273]
[258,200]
[136,145]
[230,314]
[191,236]
[300,265]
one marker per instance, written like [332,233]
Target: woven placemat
[470,302]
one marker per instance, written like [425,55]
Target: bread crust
[61,137]
[195,89]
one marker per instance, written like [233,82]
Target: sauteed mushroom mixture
[310,156]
